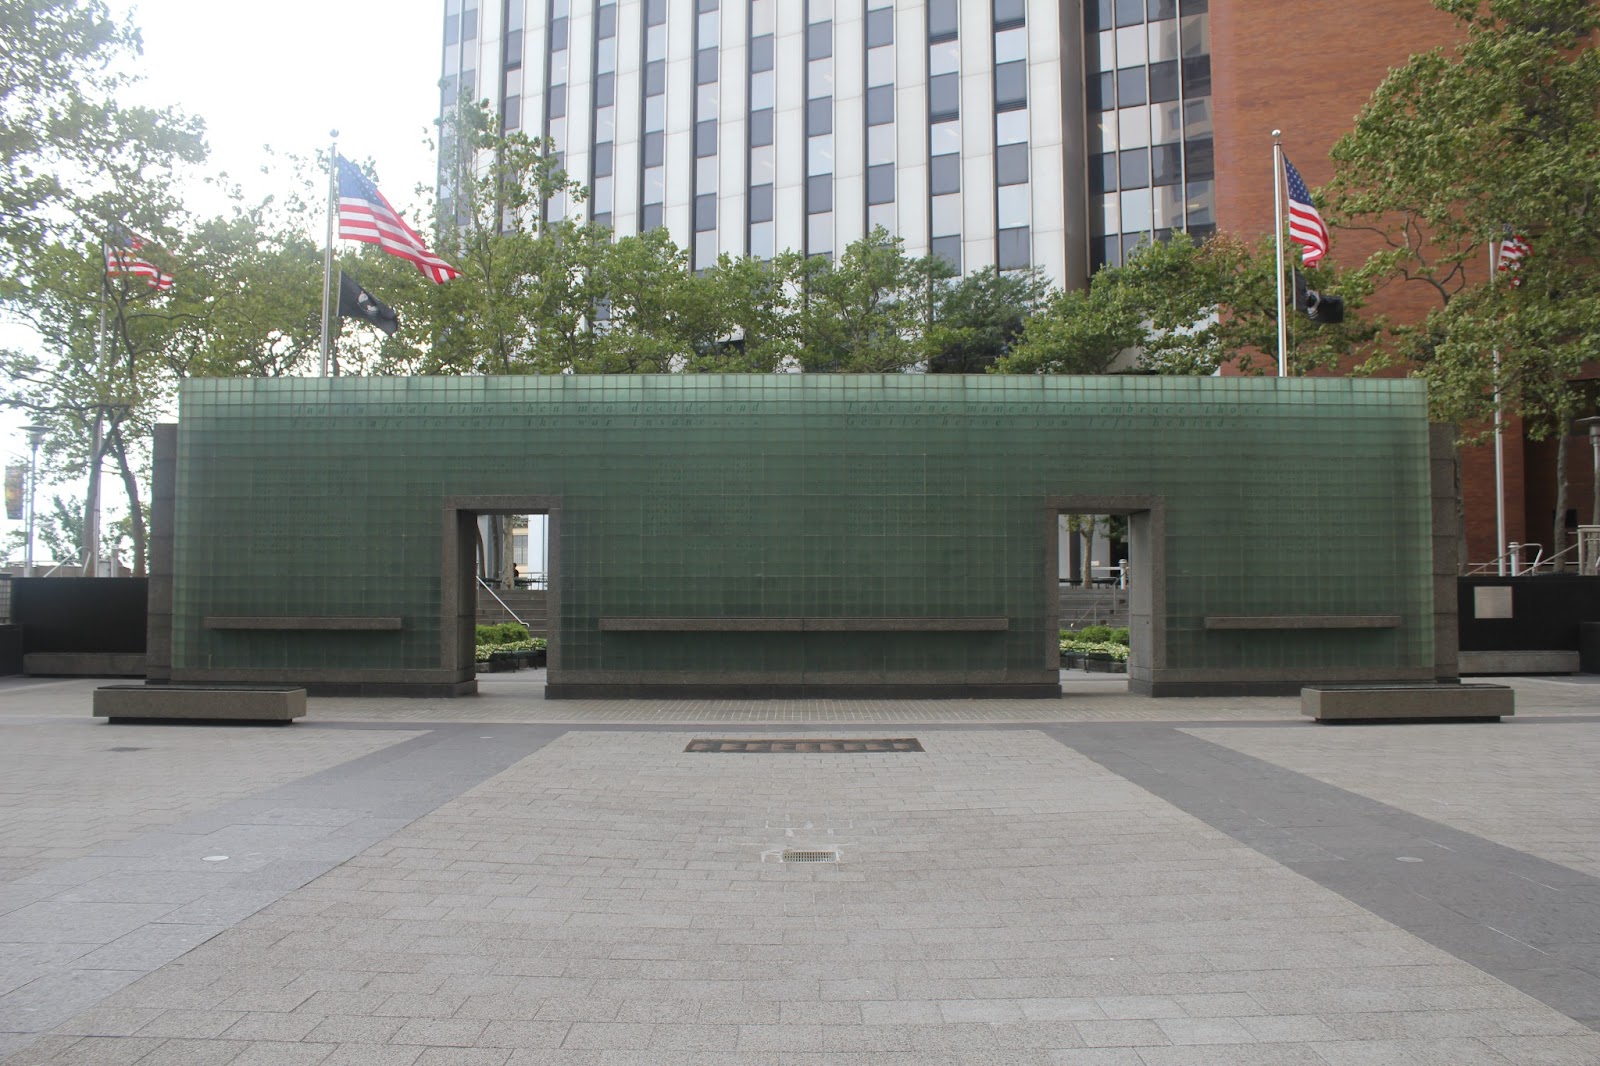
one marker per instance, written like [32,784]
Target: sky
[283,73]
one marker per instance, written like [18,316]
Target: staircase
[531,606]
[1093,607]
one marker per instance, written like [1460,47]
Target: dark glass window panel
[512,119]
[1156,10]
[707,5]
[605,89]
[1102,91]
[1011,85]
[942,20]
[1201,158]
[469,24]
[761,203]
[1103,172]
[469,82]
[1197,76]
[880,27]
[447,92]
[605,21]
[1161,236]
[655,12]
[655,145]
[1166,164]
[761,127]
[880,105]
[705,212]
[819,116]
[948,249]
[1164,82]
[1195,7]
[1134,165]
[819,40]
[705,66]
[880,184]
[649,217]
[1130,86]
[705,138]
[1200,233]
[944,174]
[761,53]
[1009,13]
[1014,251]
[1130,244]
[1130,12]
[655,77]
[819,194]
[603,159]
[558,34]
[944,96]
[1097,15]
[558,101]
[452,29]
[1103,252]
[1011,164]
[513,49]
[603,218]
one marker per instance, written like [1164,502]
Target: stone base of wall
[659,691]
[1504,663]
[83,664]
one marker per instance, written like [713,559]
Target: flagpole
[327,252]
[1277,242]
[1499,444]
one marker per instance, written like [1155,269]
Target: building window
[880,105]
[1164,82]
[557,98]
[942,19]
[1011,85]
[705,212]
[944,174]
[605,21]
[655,77]
[705,138]
[558,34]
[1014,250]
[654,149]
[649,217]
[880,27]
[1166,164]
[602,160]
[1135,167]
[1201,157]
[819,40]
[948,249]
[705,66]
[513,113]
[605,90]
[761,53]
[1131,86]
[1008,13]
[761,127]
[761,203]
[819,116]
[944,97]
[1197,76]
[1156,10]
[513,49]
[1011,164]
[1103,173]
[880,184]
[819,194]
[1130,12]
[655,12]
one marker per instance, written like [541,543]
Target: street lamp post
[35,435]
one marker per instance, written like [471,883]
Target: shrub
[1093,635]
[504,633]
[1120,636]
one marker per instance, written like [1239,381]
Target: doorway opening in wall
[1103,576]
[500,563]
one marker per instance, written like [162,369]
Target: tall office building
[994,133]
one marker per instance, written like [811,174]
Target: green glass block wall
[801,497]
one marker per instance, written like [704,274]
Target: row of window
[1113,14]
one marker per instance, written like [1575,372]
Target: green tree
[979,318]
[866,313]
[1497,133]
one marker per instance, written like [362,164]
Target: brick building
[1267,73]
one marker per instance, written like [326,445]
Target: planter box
[1105,666]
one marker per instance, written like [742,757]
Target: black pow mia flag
[356,302]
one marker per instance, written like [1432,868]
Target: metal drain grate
[851,745]
[809,856]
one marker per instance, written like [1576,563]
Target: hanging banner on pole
[14,476]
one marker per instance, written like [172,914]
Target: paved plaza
[1100,880]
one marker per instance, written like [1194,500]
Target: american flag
[123,259]
[1513,250]
[364,215]
[1305,225]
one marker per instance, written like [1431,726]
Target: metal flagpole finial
[1277,135]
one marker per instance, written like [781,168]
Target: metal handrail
[1540,563]
[515,617]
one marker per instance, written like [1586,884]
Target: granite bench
[1417,702]
[279,704]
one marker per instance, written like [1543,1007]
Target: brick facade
[1270,73]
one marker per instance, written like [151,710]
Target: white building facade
[995,133]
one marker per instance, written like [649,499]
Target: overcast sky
[283,73]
